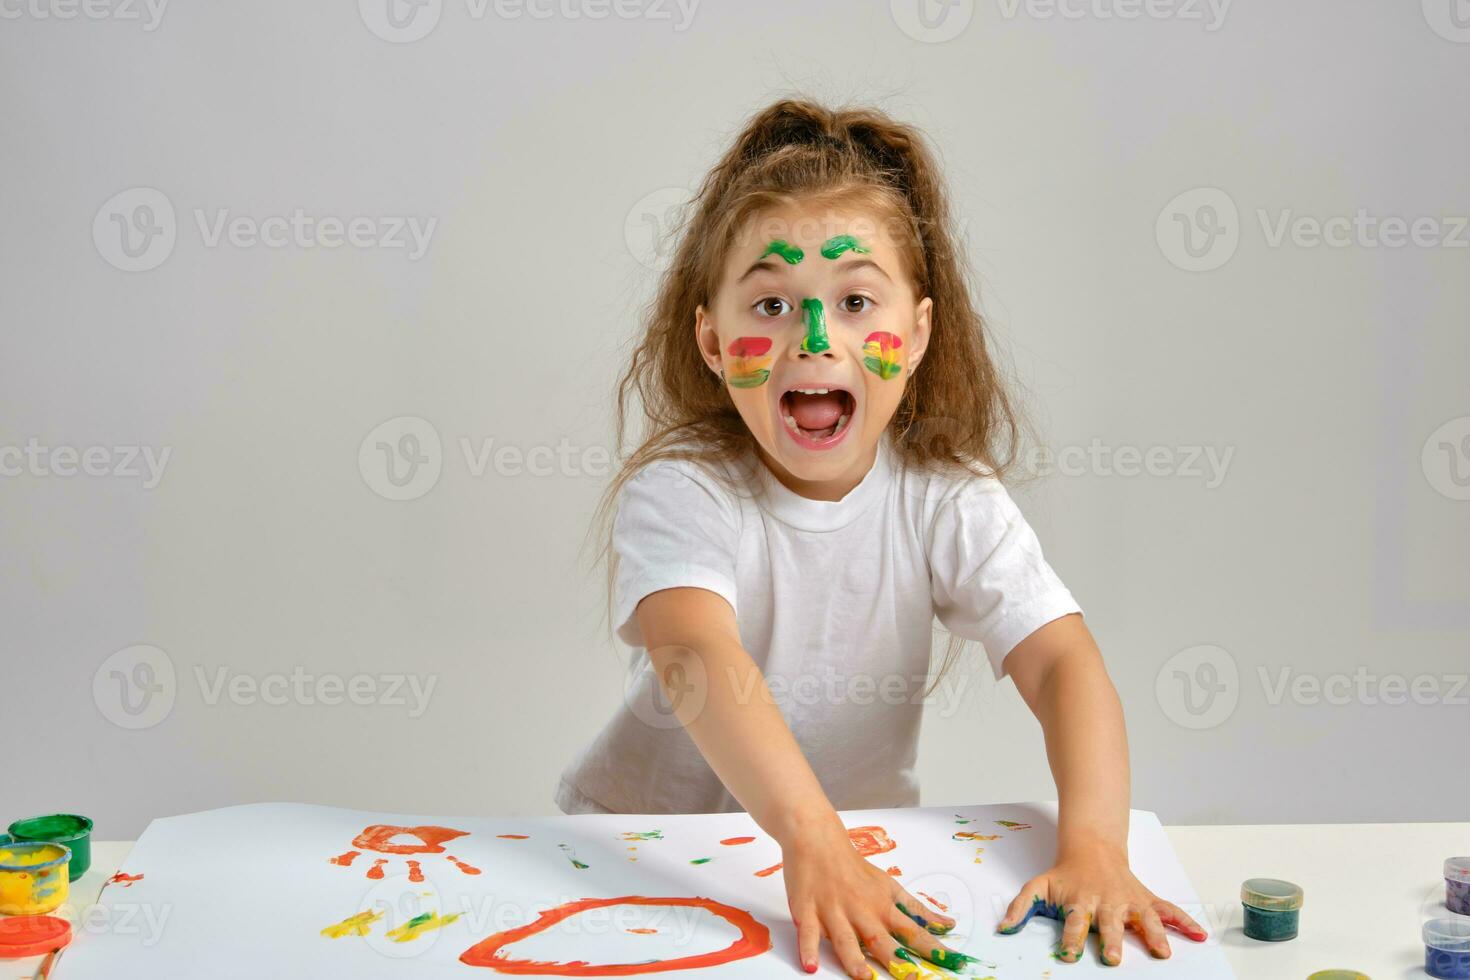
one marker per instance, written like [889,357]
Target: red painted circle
[754,940]
[32,935]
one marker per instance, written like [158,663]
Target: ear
[919,339]
[707,339]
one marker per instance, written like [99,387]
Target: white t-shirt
[835,602]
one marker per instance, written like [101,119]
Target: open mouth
[817,416]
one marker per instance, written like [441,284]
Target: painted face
[816,328]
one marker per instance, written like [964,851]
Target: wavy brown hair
[955,413]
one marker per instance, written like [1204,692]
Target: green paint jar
[58,828]
[1272,909]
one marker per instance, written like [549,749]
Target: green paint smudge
[833,247]
[815,340]
[786,250]
[699,861]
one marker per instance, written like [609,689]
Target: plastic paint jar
[32,877]
[1457,885]
[1272,909]
[59,828]
[1447,948]
[1339,975]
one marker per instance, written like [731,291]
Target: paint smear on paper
[514,836]
[493,951]
[354,925]
[733,841]
[383,839]
[934,901]
[1012,825]
[644,932]
[643,835]
[420,924]
[699,861]
[972,835]
[572,856]
[125,880]
[895,871]
[468,869]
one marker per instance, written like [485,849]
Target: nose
[815,341]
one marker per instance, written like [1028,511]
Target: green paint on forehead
[786,250]
[833,247]
[815,340]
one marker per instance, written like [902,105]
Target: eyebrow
[847,265]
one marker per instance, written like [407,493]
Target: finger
[1110,921]
[935,922]
[1152,930]
[1174,918]
[845,945]
[906,931]
[1026,904]
[808,938]
[895,959]
[1074,933]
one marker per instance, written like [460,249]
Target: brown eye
[764,308]
[847,303]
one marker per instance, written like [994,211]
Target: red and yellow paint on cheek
[880,354]
[750,365]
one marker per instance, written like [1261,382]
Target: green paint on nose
[833,247]
[786,250]
[815,340]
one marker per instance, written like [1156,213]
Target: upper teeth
[811,391]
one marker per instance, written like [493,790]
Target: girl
[821,479]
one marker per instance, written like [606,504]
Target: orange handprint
[380,838]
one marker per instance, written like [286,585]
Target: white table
[1368,889]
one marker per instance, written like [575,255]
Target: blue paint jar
[1272,909]
[1447,948]
[1457,885]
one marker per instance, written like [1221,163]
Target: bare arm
[1060,674]
[1061,677]
[692,639]
[721,697]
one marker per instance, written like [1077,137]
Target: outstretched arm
[1060,674]
[720,696]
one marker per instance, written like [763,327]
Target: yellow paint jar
[32,877]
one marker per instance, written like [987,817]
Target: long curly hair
[956,412]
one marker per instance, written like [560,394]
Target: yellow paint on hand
[353,925]
[420,924]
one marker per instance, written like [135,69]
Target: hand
[834,891]
[1093,889]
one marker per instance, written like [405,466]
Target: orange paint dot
[732,841]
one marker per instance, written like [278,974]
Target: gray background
[549,151]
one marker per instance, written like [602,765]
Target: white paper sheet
[246,892]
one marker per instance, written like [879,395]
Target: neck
[832,489]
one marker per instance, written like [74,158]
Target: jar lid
[32,935]
[33,856]
[1271,894]
[1457,868]
[1451,935]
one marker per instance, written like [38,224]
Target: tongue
[816,411]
